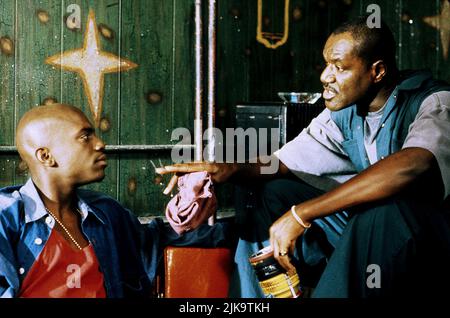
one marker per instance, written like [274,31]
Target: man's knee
[402,217]
[398,237]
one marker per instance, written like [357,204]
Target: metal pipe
[211,78]
[116,148]
[125,148]
[8,149]
[211,85]
[198,125]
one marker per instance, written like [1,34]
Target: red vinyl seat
[194,272]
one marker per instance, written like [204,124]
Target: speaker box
[289,119]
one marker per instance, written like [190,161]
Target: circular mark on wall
[22,168]
[154,97]
[157,180]
[322,4]
[235,13]
[297,14]
[42,16]
[6,45]
[132,185]
[106,31]
[406,17]
[50,100]
[105,125]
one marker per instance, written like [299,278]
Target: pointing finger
[173,181]
[186,168]
[161,170]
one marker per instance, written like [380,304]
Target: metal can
[275,282]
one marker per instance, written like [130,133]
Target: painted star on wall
[442,23]
[91,63]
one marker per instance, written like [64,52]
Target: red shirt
[63,272]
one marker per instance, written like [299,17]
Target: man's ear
[379,71]
[44,156]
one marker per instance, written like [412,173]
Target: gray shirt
[316,154]
[371,129]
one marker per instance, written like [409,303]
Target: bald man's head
[59,143]
[40,126]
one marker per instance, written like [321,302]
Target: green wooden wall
[158,35]
[248,71]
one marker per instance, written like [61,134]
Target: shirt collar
[85,210]
[413,79]
[34,207]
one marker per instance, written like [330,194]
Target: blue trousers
[396,247]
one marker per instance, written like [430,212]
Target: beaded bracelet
[299,220]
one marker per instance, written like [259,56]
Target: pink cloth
[194,203]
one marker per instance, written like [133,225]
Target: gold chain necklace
[65,229]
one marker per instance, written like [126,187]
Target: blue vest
[400,111]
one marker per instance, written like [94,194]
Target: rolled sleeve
[316,154]
[431,131]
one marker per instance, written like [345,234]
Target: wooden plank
[36,40]
[140,188]
[147,27]
[301,33]
[442,64]
[307,38]
[72,91]
[283,59]
[107,15]
[37,36]
[261,63]
[430,50]
[8,165]
[235,32]
[391,14]
[148,104]
[7,65]
[182,88]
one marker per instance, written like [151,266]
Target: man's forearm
[382,180]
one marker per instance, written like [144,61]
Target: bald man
[60,241]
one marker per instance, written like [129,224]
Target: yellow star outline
[442,23]
[91,63]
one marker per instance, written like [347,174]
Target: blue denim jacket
[401,110]
[128,252]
